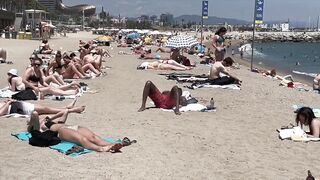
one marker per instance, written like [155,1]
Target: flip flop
[75,149]
[127,142]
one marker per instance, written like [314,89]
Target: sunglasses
[36,64]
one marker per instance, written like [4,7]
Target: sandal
[75,149]
[127,142]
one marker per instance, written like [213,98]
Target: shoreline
[246,62]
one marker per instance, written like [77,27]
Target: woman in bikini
[163,65]
[76,134]
[25,108]
[33,79]
[218,44]
[305,116]
[15,81]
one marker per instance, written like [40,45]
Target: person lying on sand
[220,67]
[152,56]
[163,65]
[164,100]
[15,81]
[33,79]
[305,116]
[94,58]
[25,108]
[163,50]
[76,134]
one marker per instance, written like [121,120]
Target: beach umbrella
[181,41]
[133,35]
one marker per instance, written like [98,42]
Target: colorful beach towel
[64,146]
[316,111]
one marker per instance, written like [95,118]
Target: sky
[296,10]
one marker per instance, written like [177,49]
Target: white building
[285,27]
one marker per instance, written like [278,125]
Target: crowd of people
[56,77]
[41,79]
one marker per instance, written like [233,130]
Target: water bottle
[59,98]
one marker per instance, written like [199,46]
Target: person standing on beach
[218,44]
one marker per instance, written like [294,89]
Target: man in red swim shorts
[164,100]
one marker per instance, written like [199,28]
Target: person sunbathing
[164,100]
[45,48]
[152,56]
[15,81]
[76,134]
[163,50]
[305,116]
[33,79]
[163,65]
[68,69]
[25,108]
[93,61]
[220,67]
[85,49]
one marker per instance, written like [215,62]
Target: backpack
[44,139]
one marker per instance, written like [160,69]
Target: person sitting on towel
[220,67]
[76,134]
[164,100]
[305,116]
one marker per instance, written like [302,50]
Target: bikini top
[34,78]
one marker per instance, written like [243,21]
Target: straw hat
[13,72]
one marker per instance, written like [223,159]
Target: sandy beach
[239,141]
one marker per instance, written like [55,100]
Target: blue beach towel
[316,111]
[64,146]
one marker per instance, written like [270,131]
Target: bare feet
[141,109]
[111,148]
[78,109]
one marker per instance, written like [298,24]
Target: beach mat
[316,111]
[229,87]
[64,146]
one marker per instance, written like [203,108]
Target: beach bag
[24,95]
[44,139]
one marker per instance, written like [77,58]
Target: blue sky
[299,10]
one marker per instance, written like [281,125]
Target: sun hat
[13,72]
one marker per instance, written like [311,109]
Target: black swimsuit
[49,124]
[34,78]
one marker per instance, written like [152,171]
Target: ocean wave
[306,74]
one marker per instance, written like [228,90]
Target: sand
[239,141]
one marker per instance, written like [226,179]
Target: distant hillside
[211,20]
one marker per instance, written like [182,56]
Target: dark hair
[221,30]
[307,113]
[142,56]
[45,41]
[58,54]
[229,61]
[86,46]
[72,55]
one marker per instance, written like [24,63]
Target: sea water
[297,58]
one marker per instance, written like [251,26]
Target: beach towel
[64,146]
[295,134]
[15,116]
[230,86]
[192,107]
[316,111]
[6,93]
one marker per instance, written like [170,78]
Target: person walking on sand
[218,44]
